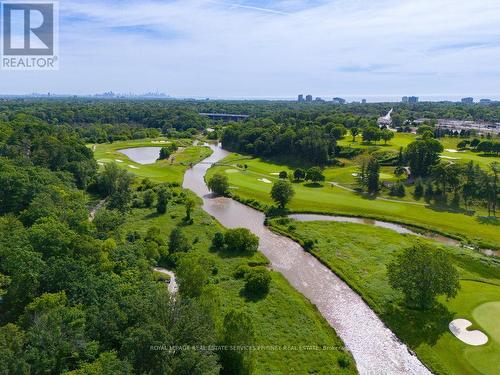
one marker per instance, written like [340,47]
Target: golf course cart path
[374,347]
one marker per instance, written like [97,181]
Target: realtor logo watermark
[30,35]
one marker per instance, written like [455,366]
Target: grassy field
[359,254]
[161,171]
[404,139]
[328,198]
[283,318]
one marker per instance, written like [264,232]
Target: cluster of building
[309,99]
[410,99]
[471,101]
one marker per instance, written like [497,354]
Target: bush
[344,361]
[257,281]
[241,240]
[218,241]
[241,271]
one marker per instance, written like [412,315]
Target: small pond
[142,155]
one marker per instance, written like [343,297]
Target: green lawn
[359,254]
[404,139]
[161,171]
[338,200]
[283,318]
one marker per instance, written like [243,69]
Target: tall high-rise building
[338,101]
[301,98]
[413,99]
[404,99]
[363,101]
[309,98]
[467,100]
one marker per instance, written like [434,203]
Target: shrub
[257,281]
[241,240]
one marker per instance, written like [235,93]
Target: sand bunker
[133,166]
[265,180]
[275,174]
[452,150]
[459,328]
[100,163]
[119,161]
[448,157]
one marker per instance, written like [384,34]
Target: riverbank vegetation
[87,286]
[361,255]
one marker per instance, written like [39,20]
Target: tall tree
[282,193]
[422,273]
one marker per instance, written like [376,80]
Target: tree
[257,281]
[315,174]
[163,198]
[386,135]
[192,275]
[373,176]
[299,174]
[178,242]
[486,147]
[283,175]
[475,142]
[49,319]
[107,363]
[422,273]
[238,332]
[149,198]
[218,184]
[189,204]
[218,242]
[371,134]
[354,133]
[463,144]
[12,358]
[422,155]
[282,193]
[419,189]
[241,240]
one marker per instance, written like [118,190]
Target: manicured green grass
[283,318]
[360,254]
[161,171]
[337,200]
[404,139]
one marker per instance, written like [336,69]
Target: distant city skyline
[274,49]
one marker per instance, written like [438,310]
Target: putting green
[487,316]
[232,171]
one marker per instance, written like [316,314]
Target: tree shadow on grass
[416,327]
[490,220]
[450,209]
[153,215]
[252,297]
[314,185]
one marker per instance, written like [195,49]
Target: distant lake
[142,155]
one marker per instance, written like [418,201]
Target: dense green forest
[72,296]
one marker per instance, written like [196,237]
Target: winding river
[374,347]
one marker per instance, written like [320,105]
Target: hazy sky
[260,48]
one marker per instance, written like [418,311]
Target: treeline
[313,140]
[74,297]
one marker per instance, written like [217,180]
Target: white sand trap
[355,175]
[119,161]
[133,166]
[265,180]
[100,163]
[275,174]
[459,328]
[452,150]
[448,157]
[156,142]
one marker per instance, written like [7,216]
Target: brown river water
[374,347]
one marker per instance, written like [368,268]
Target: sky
[435,49]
